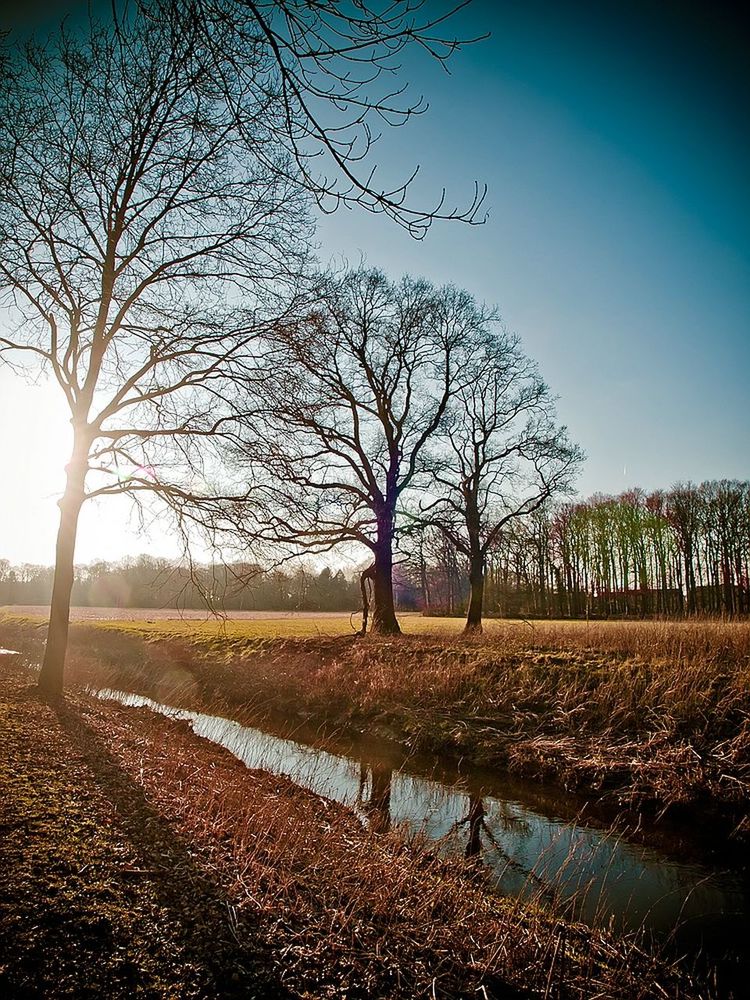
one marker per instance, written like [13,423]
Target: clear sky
[614,141]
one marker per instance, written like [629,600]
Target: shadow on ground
[98,894]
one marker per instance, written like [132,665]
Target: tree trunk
[365,577]
[384,620]
[692,603]
[424,580]
[476,600]
[50,681]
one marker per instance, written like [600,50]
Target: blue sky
[614,144]
[615,149]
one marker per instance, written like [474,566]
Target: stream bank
[541,846]
[142,858]
[653,720]
[399,691]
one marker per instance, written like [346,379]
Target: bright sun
[35,441]
[34,447]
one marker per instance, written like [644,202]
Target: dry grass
[648,712]
[348,913]
[621,634]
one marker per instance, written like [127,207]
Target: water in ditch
[533,841]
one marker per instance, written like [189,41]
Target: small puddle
[698,907]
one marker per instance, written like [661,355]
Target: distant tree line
[145,582]
[674,552]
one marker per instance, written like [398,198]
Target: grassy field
[651,715]
[644,637]
[646,713]
[238,625]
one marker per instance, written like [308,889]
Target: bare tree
[338,69]
[154,172]
[501,455]
[354,391]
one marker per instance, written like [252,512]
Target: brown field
[643,712]
[216,880]
[642,636]
[86,614]
[646,714]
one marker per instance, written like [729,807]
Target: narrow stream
[529,839]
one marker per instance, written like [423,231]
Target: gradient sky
[614,143]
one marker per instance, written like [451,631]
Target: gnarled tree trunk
[476,563]
[476,599]
[384,620]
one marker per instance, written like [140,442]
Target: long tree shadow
[223,946]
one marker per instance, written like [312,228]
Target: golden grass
[656,710]
[651,711]
[625,635]
[351,913]
[329,908]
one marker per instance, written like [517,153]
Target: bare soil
[99,896]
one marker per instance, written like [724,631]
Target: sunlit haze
[34,450]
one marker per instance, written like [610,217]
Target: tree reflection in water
[376,805]
[477,823]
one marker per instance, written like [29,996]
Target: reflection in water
[475,819]
[376,805]
[598,876]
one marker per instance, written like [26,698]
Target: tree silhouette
[156,170]
[352,394]
[502,456]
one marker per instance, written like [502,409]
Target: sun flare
[35,443]
[34,447]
